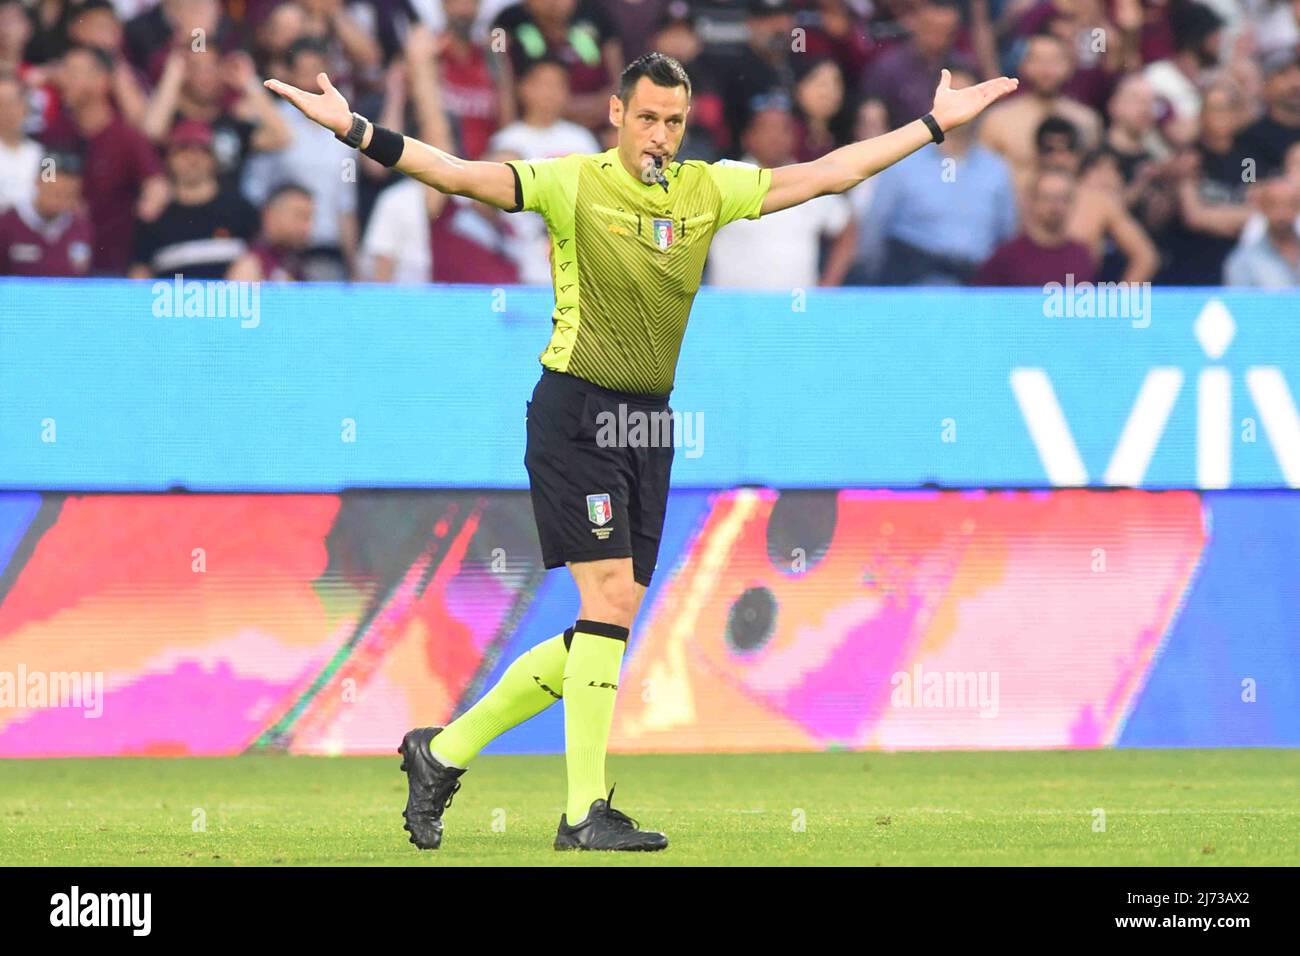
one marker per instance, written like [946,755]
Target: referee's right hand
[329,108]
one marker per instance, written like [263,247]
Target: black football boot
[607,829]
[430,787]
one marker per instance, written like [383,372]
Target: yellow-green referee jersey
[626,258]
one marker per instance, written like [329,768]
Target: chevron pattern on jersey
[636,280]
[626,259]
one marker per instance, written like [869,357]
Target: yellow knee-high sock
[533,682]
[590,687]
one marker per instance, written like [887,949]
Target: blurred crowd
[1150,140]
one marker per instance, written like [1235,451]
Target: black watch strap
[932,125]
[356,133]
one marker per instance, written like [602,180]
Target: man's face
[282,27]
[544,92]
[15,29]
[460,15]
[1281,203]
[651,124]
[81,78]
[551,11]
[770,31]
[288,220]
[933,28]
[304,69]
[1046,66]
[769,138]
[58,194]
[190,165]
[1134,105]
[1220,113]
[1282,91]
[1050,203]
[677,40]
[1055,152]
[13,109]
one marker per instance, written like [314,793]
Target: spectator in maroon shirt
[905,76]
[1043,252]
[471,241]
[844,36]
[123,177]
[48,235]
[95,24]
[471,96]
[276,256]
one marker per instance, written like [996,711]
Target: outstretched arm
[492,183]
[843,168]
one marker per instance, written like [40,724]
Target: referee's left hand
[329,108]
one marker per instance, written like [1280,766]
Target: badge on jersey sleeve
[663,233]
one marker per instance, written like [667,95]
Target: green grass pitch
[1161,807]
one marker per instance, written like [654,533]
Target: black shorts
[598,465]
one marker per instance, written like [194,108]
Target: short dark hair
[662,70]
[544,60]
[285,189]
[305,45]
[90,5]
[1056,126]
[1191,24]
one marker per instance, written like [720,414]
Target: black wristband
[385,146]
[356,132]
[933,126]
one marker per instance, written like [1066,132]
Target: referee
[630,229]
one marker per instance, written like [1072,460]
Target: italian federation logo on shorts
[598,510]
[663,232]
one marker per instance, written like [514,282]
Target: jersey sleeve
[546,186]
[742,187]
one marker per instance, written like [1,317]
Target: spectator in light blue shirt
[1270,260]
[940,213]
